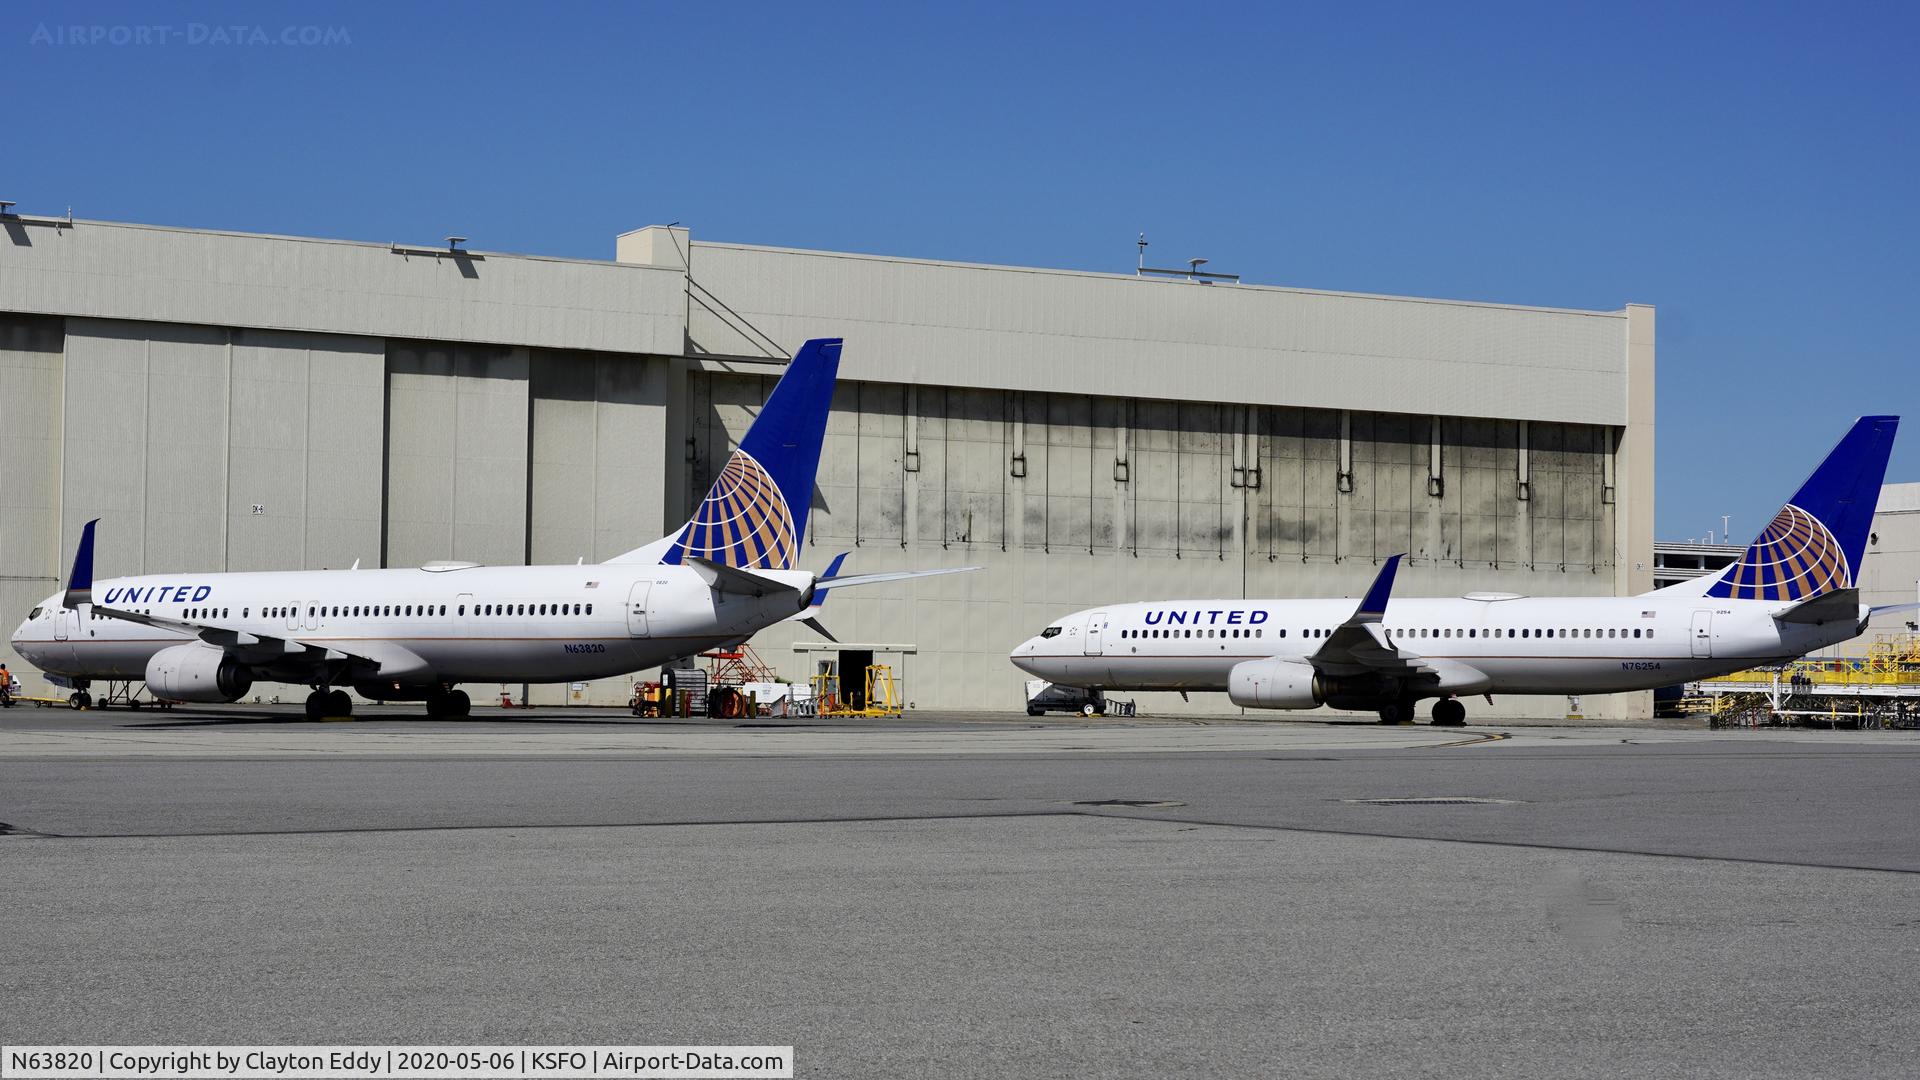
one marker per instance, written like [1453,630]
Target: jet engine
[1289,684]
[197,673]
[1274,684]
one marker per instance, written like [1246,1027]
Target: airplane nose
[1023,655]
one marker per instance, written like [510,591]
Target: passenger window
[461,610]
[1636,631]
[589,609]
[1649,632]
[443,609]
[1261,632]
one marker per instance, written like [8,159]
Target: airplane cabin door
[1703,633]
[65,622]
[1096,625]
[637,608]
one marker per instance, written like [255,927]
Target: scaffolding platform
[1880,690]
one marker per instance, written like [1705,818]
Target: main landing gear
[329,705]
[449,703]
[1397,712]
[1449,712]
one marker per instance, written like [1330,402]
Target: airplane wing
[852,580]
[252,647]
[1360,646]
[249,647]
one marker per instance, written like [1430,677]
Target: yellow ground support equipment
[1878,690]
[882,697]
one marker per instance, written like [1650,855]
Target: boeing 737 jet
[414,634]
[1792,592]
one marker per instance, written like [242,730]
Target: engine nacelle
[197,673]
[1289,684]
[1274,684]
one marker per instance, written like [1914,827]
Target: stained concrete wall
[1069,501]
[32,378]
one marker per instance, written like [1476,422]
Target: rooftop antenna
[454,242]
[1191,273]
[1726,533]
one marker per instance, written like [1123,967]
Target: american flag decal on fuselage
[744,521]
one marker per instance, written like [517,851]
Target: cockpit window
[1051,631]
[36,614]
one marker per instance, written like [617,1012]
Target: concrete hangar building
[227,401]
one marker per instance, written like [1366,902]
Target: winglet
[80,582]
[1374,606]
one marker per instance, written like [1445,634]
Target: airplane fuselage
[1522,645]
[510,624]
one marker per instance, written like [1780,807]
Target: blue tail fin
[1814,544]
[755,515]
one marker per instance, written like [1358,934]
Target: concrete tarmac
[971,895]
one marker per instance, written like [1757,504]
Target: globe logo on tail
[1796,557]
[744,521]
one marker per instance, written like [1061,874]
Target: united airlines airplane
[414,634]
[1792,592]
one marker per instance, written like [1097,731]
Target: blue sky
[1748,169]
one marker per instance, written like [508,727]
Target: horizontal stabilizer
[1827,607]
[732,579]
[892,575]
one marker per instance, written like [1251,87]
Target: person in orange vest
[6,687]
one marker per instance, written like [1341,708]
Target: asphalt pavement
[971,895]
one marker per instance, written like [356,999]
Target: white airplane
[413,634]
[1791,593]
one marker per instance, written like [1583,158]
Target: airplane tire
[339,703]
[1448,712]
[1031,711]
[458,703]
[316,706]
[1398,712]
[74,702]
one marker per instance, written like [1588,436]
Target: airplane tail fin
[1814,544]
[755,515]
